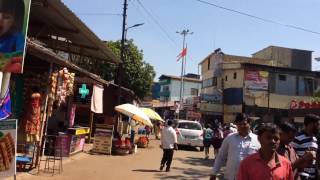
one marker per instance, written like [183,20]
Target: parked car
[189,133]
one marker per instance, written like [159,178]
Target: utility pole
[120,66]
[184,33]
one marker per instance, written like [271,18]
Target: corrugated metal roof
[56,25]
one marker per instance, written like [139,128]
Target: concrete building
[170,87]
[170,96]
[264,85]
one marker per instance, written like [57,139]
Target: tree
[137,75]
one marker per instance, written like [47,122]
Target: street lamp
[126,30]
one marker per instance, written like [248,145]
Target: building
[156,90]
[170,87]
[263,85]
[170,95]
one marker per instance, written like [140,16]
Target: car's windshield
[187,125]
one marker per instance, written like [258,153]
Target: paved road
[187,164]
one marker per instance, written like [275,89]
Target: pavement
[188,163]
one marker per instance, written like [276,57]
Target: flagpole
[184,33]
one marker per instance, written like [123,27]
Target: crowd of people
[276,152]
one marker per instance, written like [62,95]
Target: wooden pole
[91,125]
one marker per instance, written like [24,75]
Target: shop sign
[83,91]
[256,80]
[304,105]
[12,48]
[214,98]
[8,145]
[103,139]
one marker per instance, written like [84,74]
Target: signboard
[8,139]
[103,139]
[13,35]
[64,141]
[256,80]
[215,97]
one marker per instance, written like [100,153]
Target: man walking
[235,148]
[306,141]
[287,134]
[207,139]
[168,144]
[267,163]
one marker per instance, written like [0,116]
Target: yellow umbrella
[152,114]
[135,113]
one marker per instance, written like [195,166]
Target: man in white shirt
[235,148]
[168,144]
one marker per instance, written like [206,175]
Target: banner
[8,139]
[256,80]
[13,34]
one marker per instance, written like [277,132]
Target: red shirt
[255,168]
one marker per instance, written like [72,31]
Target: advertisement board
[256,80]
[13,34]
[8,144]
[103,139]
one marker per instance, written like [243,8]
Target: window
[282,77]
[209,82]
[226,78]
[214,81]
[209,63]
[187,125]
[165,88]
[234,75]
[194,92]
[308,85]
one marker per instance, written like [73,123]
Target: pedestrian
[148,130]
[287,134]
[207,139]
[157,130]
[217,139]
[267,163]
[306,141]
[235,148]
[168,144]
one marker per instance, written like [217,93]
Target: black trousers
[167,157]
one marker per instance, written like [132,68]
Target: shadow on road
[146,170]
[187,148]
[196,161]
[184,174]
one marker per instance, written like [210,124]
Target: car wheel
[202,148]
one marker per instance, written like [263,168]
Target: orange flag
[182,54]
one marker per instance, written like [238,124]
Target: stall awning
[56,25]
[37,50]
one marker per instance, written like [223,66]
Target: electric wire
[259,18]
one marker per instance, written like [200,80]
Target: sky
[212,27]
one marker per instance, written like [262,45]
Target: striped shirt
[301,144]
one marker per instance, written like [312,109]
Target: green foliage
[137,74]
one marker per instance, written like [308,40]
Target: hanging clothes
[32,118]
[97,99]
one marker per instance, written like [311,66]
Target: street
[188,164]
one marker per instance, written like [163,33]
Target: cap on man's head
[241,117]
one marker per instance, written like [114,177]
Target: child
[11,37]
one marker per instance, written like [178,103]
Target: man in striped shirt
[307,142]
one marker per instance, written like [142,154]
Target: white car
[189,133]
